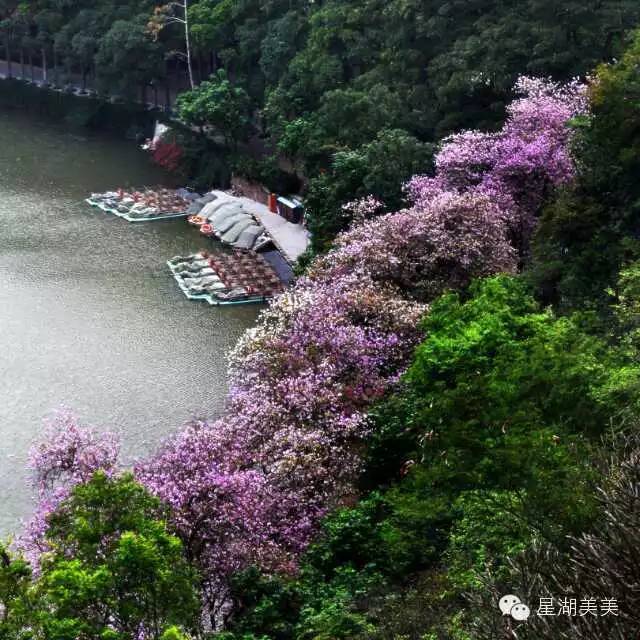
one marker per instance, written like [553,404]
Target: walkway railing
[150,96]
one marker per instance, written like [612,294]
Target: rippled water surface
[89,317]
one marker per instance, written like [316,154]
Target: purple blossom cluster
[323,353]
[362,209]
[250,488]
[225,509]
[442,242]
[517,166]
[68,454]
[475,216]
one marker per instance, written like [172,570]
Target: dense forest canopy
[443,407]
[332,86]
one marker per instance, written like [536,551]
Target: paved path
[75,81]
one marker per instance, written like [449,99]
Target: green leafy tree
[84,42]
[590,232]
[597,561]
[357,547]
[127,45]
[501,409]
[218,104]
[279,44]
[378,168]
[505,396]
[15,606]
[115,570]
[211,22]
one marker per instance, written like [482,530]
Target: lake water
[89,315]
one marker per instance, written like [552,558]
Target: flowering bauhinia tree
[362,209]
[227,511]
[517,166]
[251,487]
[305,376]
[302,381]
[442,242]
[67,455]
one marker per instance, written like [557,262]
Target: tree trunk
[8,50]
[201,67]
[55,66]
[167,97]
[31,66]
[44,65]
[84,78]
[187,40]
[155,95]
[22,63]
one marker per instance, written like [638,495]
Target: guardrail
[163,97]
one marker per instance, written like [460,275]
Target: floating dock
[225,279]
[128,218]
[147,205]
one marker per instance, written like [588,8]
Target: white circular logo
[507,603]
[520,612]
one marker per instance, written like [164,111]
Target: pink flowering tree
[68,454]
[475,216]
[250,488]
[517,166]
[362,209]
[303,379]
[442,242]
[225,509]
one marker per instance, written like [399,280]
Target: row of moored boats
[227,220]
[218,278]
[146,204]
[225,278]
